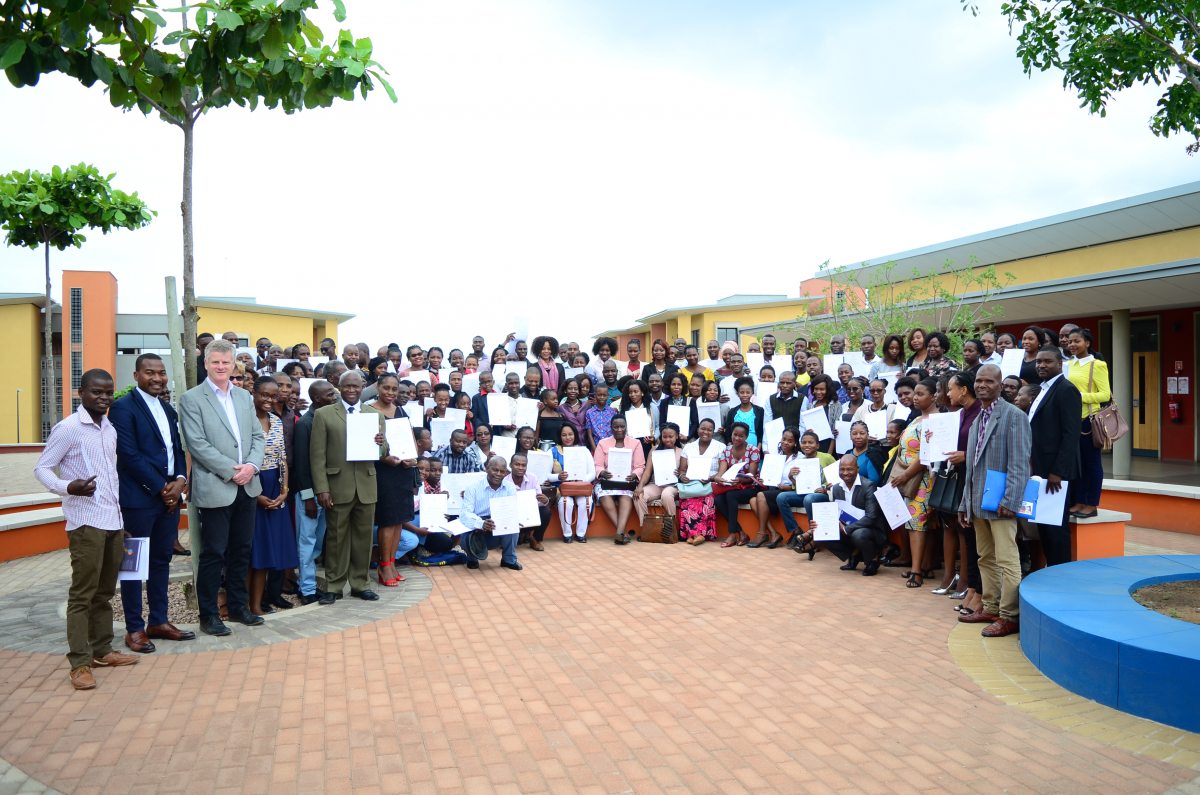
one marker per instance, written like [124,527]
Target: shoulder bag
[1107,424]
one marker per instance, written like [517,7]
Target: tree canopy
[1105,47]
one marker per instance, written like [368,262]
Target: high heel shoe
[945,589]
[758,542]
[778,542]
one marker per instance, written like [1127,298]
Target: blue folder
[1029,500]
[993,490]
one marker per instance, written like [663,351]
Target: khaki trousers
[347,546]
[95,559]
[999,566]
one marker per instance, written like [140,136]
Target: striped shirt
[77,449]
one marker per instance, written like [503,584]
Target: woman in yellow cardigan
[1090,377]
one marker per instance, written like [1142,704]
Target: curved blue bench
[1081,628]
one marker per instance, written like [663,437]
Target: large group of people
[268,433]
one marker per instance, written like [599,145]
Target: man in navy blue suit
[153,475]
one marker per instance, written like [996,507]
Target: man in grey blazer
[999,440]
[226,442]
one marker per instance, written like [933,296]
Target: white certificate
[831,362]
[444,375]
[620,463]
[847,508]
[709,411]
[1012,361]
[504,446]
[399,436]
[763,390]
[1050,507]
[434,508]
[455,485]
[855,359]
[361,428]
[500,409]
[136,563]
[575,461]
[638,424]
[876,424]
[518,368]
[313,361]
[440,430]
[939,436]
[527,413]
[832,473]
[825,521]
[817,420]
[892,504]
[664,467]
[305,384]
[773,434]
[455,528]
[699,467]
[428,403]
[754,361]
[470,384]
[499,371]
[457,415]
[727,387]
[902,412]
[571,372]
[681,416]
[842,444]
[734,470]
[417,376]
[771,469]
[808,479]
[506,514]
[540,466]
[527,508]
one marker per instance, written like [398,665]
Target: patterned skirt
[698,517]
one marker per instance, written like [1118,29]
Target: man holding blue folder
[998,447]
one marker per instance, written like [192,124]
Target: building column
[1122,389]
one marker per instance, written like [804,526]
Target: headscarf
[375,362]
[731,346]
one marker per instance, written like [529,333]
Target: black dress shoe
[326,598]
[851,564]
[367,595]
[214,626]
[281,603]
[581,539]
[249,619]
[472,564]
[515,565]
[308,598]
[871,569]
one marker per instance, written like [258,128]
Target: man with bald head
[345,489]
[350,355]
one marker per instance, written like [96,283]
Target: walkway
[597,669]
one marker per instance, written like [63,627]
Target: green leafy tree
[225,52]
[954,298]
[50,211]
[1105,47]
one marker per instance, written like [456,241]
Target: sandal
[744,540]
[912,581]
[729,542]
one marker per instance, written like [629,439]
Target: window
[76,315]
[727,334]
[696,338]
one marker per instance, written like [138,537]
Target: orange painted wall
[1158,512]
[26,541]
[99,344]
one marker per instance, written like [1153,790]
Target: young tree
[50,210]
[239,52]
[1107,46]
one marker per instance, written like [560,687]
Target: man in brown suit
[347,492]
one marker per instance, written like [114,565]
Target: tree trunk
[190,316]
[48,343]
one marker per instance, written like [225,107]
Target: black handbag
[947,493]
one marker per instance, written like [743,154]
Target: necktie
[350,409]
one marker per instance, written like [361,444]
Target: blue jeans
[506,543]
[310,537]
[787,500]
[408,542]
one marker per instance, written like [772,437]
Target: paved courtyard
[597,669]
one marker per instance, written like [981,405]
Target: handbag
[947,492]
[575,488]
[693,489]
[910,488]
[658,528]
[1107,424]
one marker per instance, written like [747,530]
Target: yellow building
[101,337]
[727,319]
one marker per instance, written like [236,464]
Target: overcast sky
[589,163]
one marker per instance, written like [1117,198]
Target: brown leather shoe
[978,617]
[536,545]
[1000,627]
[169,632]
[114,659]
[82,679]
[137,641]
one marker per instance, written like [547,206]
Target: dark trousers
[1056,542]
[539,532]
[225,537]
[162,528]
[727,504]
[864,540]
[1087,490]
[96,557]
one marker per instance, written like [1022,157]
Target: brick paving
[597,669]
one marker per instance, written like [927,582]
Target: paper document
[699,467]
[361,428]
[833,472]
[771,469]
[826,517]
[136,563]
[763,390]
[455,485]
[470,384]
[506,514]
[681,416]
[664,467]
[571,372]
[1050,508]
[855,359]
[527,508]
[527,413]
[939,436]
[830,363]
[417,376]
[1012,361]
[849,510]
[305,384]
[458,415]
[504,446]
[734,470]
[817,420]
[772,434]
[842,443]
[399,436]
[500,409]
[638,424]
[892,504]
[876,424]
[709,411]
[808,479]
[455,528]
[579,463]
[620,463]
[540,466]
[434,508]
[440,430]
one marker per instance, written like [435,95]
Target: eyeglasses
[237,378]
